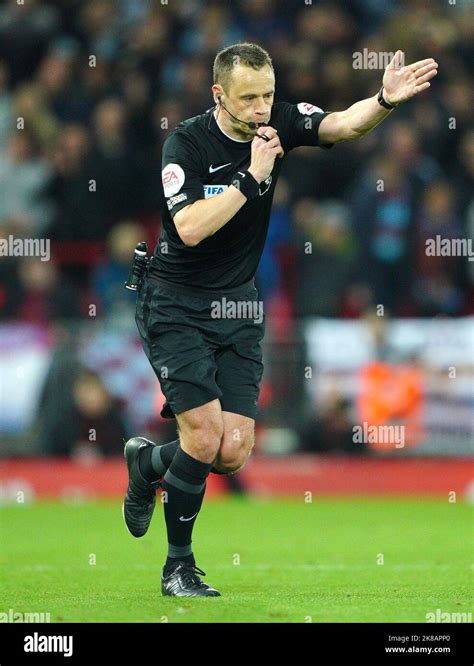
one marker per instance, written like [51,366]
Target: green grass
[296,560]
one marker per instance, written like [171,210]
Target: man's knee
[201,431]
[205,436]
[233,454]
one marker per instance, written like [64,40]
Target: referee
[198,312]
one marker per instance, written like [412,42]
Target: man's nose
[261,108]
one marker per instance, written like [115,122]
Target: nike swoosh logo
[212,169]
[185,519]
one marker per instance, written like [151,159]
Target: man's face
[249,96]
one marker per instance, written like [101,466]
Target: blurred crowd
[89,90]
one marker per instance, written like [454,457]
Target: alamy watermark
[12,616]
[25,247]
[40,643]
[449,247]
[441,616]
[366,59]
[228,309]
[379,434]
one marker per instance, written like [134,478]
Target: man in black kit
[198,312]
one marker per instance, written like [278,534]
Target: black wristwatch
[383,102]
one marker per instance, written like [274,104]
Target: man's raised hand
[401,83]
[264,153]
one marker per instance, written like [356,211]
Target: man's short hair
[248,54]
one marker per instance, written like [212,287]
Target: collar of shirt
[215,129]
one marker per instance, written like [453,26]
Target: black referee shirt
[198,162]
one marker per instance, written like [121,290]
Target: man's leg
[148,462]
[201,430]
[155,460]
[236,444]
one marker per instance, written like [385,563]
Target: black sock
[189,559]
[185,485]
[215,471]
[165,455]
[155,460]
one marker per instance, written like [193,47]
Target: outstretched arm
[399,85]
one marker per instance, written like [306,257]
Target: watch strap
[383,102]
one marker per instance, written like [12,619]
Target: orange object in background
[391,395]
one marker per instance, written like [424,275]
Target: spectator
[22,178]
[31,106]
[39,294]
[437,217]
[76,211]
[97,428]
[326,257]
[331,430]
[115,165]
[91,425]
[31,24]
[56,75]
[109,277]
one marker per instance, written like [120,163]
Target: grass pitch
[273,561]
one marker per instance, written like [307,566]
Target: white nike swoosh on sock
[184,519]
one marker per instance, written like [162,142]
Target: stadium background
[75,381]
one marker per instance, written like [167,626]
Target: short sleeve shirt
[198,162]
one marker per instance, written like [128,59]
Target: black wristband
[246,183]
[383,102]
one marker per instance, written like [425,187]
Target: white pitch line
[257,566]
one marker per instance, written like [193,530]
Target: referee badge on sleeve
[307,109]
[173,179]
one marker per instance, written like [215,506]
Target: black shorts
[203,345]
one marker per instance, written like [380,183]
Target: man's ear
[217,94]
